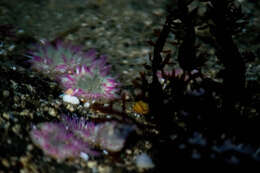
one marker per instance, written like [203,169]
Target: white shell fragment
[70,99]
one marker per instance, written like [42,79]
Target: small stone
[5,163]
[24,112]
[104,169]
[143,161]
[105,152]
[30,147]
[87,105]
[70,99]
[16,129]
[11,47]
[128,151]
[52,112]
[70,108]
[84,156]
[6,115]
[84,24]
[24,160]
[158,12]
[9,141]
[125,62]
[16,99]
[148,145]
[148,22]
[80,171]
[92,164]
[125,72]
[6,93]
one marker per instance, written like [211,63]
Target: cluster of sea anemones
[81,74]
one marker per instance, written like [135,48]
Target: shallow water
[119,29]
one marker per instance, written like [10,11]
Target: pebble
[87,105]
[143,161]
[24,160]
[6,115]
[148,145]
[16,129]
[125,72]
[52,112]
[92,164]
[29,147]
[16,99]
[70,108]
[158,12]
[105,152]
[6,93]
[24,112]
[128,151]
[5,163]
[104,169]
[70,99]
[84,156]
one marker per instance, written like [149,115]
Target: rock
[143,161]
[70,99]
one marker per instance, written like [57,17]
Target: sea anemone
[59,58]
[74,136]
[109,135]
[58,141]
[91,83]
[80,74]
